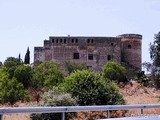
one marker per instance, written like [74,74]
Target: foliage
[23,74]
[71,66]
[55,98]
[142,78]
[10,65]
[114,71]
[47,74]
[155,57]
[10,90]
[155,50]
[11,62]
[90,88]
[27,57]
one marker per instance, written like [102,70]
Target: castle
[94,52]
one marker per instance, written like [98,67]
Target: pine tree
[27,57]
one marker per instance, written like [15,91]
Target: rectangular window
[109,57]
[75,55]
[90,56]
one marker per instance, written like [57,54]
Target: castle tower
[131,49]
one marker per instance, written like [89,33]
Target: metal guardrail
[65,109]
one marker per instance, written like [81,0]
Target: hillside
[133,94]
[137,94]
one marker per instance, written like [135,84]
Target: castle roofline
[130,36]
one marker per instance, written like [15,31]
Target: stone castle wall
[94,52]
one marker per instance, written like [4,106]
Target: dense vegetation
[79,86]
[91,89]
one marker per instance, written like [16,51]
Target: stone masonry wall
[94,52]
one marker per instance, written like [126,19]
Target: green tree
[10,90]
[90,88]
[10,65]
[27,57]
[155,57]
[47,74]
[72,67]
[155,50]
[23,74]
[114,71]
[11,62]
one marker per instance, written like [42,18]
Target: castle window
[60,40]
[92,41]
[109,57]
[111,44]
[90,56]
[57,41]
[75,55]
[88,41]
[64,40]
[129,46]
[52,40]
[76,40]
[72,40]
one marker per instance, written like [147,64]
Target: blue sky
[26,23]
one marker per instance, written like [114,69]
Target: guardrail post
[142,111]
[1,116]
[63,115]
[108,114]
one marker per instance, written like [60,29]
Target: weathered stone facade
[93,51]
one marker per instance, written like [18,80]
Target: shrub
[90,88]
[55,98]
[47,75]
[142,78]
[72,67]
[23,74]
[11,91]
[114,71]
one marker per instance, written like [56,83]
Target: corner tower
[131,49]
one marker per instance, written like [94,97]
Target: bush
[72,67]
[114,71]
[142,78]
[90,88]
[55,98]
[11,91]
[10,65]
[23,74]
[47,75]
